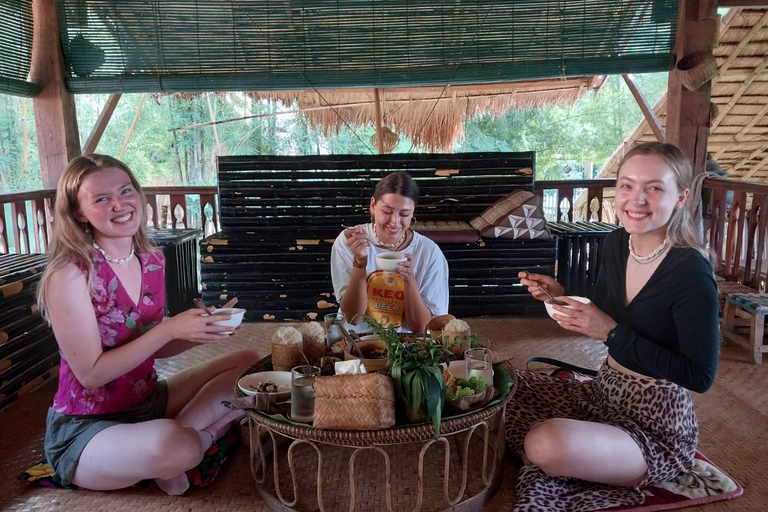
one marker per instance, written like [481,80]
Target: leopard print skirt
[657,414]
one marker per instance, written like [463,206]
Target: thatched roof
[432,116]
[738,138]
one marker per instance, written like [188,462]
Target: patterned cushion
[446,231]
[727,287]
[755,303]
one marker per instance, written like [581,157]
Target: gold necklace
[389,246]
[644,260]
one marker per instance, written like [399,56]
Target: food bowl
[368,345]
[249,383]
[552,311]
[236,315]
[388,261]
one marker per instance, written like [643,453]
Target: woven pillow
[203,474]
[447,231]
[516,215]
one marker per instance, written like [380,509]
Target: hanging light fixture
[567,169]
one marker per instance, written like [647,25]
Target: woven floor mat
[733,420]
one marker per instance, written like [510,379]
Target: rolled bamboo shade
[219,45]
[16,47]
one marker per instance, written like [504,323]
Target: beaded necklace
[644,260]
[110,259]
[389,246]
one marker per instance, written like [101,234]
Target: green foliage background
[561,135]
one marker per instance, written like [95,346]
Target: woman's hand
[586,319]
[536,281]
[194,325]
[357,241]
[405,268]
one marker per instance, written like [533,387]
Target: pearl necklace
[389,246]
[110,259]
[644,260]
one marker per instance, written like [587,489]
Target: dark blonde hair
[682,229]
[71,239]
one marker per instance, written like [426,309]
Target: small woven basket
[314,350]
[696,69]
[456,342]
[354,402]
[389,139]
[285,357]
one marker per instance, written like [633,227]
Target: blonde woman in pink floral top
[103,292]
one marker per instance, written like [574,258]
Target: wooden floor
[733,419]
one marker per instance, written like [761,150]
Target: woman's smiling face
[392,214]
[109,202]
[647,194]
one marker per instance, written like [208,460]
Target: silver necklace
[389,246]
[644,260]
[110,259]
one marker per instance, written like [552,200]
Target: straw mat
[733,419]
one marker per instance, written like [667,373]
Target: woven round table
[403,468]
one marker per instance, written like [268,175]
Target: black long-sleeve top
[670,330]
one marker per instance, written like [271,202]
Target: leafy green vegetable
[467,387]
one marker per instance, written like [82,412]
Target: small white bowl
[283,380]
[388,261]
[552,311]
[236,315]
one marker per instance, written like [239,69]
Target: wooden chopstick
[230,303]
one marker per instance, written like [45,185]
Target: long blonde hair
[682,229]
[71,239]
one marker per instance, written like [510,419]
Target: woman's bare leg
[589,451]
[122,455]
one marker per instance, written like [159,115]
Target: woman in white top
[424,273]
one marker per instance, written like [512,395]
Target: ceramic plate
[283,380]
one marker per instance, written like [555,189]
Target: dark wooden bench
[280,216]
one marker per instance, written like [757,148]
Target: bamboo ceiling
[431,116]
[738,138]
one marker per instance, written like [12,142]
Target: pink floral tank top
[120,321]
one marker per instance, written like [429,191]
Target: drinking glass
[332,331]
[302,393]
[479,363]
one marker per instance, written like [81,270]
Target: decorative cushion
[517,215]
[202,475]
[755,303]
[446,231]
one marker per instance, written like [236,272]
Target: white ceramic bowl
[552,311]
[236,315]
[283,380]
[387,261]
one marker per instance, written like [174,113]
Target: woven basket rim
[393,435]
[695,69]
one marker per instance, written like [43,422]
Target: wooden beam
[754,169]
[744,41]
[742,3]
[758,117]
[133,125]
[752,155]
[688,113]
[648,112]
[736,96]
[101,124]
[58,140]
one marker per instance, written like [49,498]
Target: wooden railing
[735,218]
[25,217]
[561,200]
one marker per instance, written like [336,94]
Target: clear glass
[479,363]
[332,331]
[303,393]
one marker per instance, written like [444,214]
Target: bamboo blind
[149,45]
[16,47]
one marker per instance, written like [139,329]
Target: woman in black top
[655,306]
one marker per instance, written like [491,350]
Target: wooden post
[377,107]
[58,140]
[101,124]
[688,114]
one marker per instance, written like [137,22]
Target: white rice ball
[286,336]
[456,325]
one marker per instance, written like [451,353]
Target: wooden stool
[725,288]
[742,310]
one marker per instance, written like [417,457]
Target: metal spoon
[553,300]
[199,303]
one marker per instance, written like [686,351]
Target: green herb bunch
[415,370]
